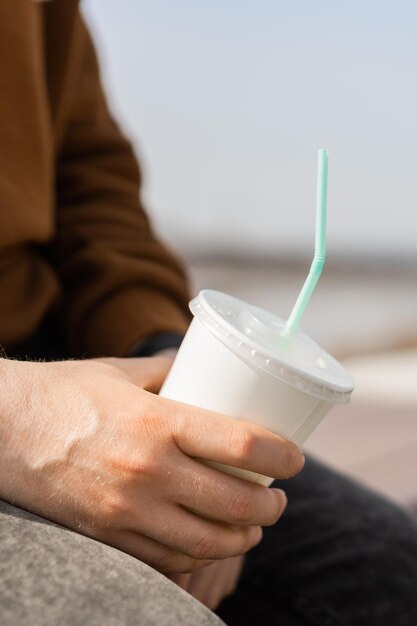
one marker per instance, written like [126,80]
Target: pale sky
[228,101]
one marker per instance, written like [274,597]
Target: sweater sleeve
[120,284]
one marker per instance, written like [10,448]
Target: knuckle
[242,507]
[169,561]
[161,562]
[178,421]
[146,465]
[165,560]
[241,443]
[142,465]
[114,511]
[204,548]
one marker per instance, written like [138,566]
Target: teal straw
[320,246]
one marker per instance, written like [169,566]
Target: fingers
[225,582]
[204,539]
[159,556]
[220,496]
[235,570]
[210,435]
[211,584]
[199,538]
[181,541]
[207,588]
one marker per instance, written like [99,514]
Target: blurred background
[227,104]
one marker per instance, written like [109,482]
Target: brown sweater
[74,240]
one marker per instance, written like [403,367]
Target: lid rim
[253,352]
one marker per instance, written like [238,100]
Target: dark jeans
[340,555]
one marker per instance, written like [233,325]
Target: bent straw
[320,246]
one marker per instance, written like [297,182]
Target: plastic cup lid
[258,337]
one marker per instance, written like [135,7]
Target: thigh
[340,555]
[50,575]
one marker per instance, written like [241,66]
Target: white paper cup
[235,360]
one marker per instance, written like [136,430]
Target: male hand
[89,445]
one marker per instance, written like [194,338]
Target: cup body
[208,374]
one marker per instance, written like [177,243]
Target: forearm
[120,284]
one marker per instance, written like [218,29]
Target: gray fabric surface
[50,575]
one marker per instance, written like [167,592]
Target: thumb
[146,372]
